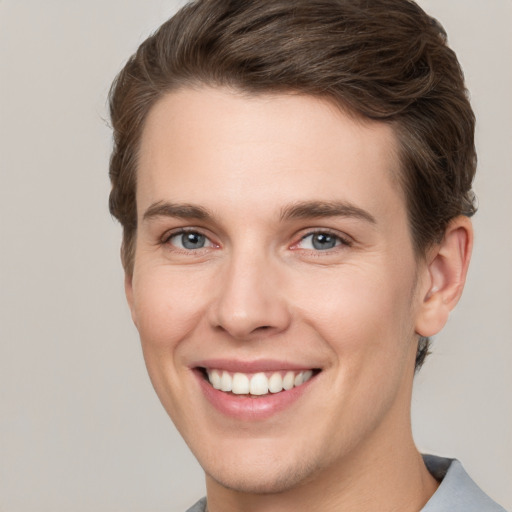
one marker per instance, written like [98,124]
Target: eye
[320,241]
[189,240]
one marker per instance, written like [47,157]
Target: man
[294,183]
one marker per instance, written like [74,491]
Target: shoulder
[200,506]
[457,491]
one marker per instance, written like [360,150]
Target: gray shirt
[456,493]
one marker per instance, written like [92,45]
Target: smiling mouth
[256,384]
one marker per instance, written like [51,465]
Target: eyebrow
[319,209]
[300,210]
[180,211]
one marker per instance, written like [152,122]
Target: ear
[445,276]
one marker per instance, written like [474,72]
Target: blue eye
[189,240]
[320,241]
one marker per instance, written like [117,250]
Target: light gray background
[80,426]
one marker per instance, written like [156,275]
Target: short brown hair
[385,60]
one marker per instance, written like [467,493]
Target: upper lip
[260,365]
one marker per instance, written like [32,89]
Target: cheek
[361,312]
[365,319]
[168,305]
[168,308]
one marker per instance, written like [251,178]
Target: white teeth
[240,384]
[257,384]
[288,381]
[226,383]
[275,383]
[307,375]
[215,379]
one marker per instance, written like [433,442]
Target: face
[274,284]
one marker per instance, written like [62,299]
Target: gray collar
[457,491]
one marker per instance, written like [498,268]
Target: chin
[264,474]
[254,481]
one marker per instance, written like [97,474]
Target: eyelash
[166,239]
[340,241]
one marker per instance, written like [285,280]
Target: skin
[259,289]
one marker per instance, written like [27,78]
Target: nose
[250,300]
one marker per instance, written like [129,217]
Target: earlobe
[445,276]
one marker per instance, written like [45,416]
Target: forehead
[217,146]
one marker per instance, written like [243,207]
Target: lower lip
[251,408]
